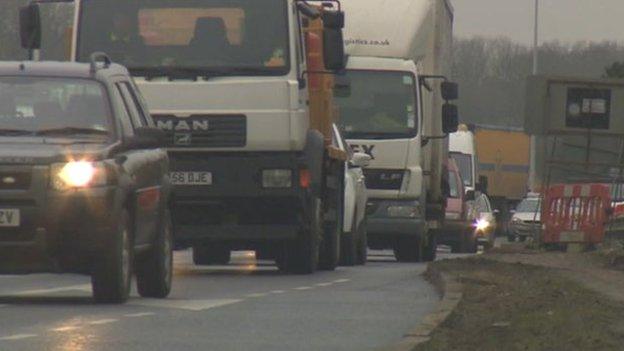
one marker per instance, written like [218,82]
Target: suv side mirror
[450,118]
[146,138]
[30,27]
[360,159]
[470,195]
[333,49]
[450,91]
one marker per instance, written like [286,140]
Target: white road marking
[138,315]
[342,280]
[324,284]
[303,288]
[17,337]
[82,287]
[278,291]
[65,329]
[103,321]
[189,305]
[257,295]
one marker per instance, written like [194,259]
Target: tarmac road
[246,305]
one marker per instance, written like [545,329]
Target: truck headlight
[277,178]
[404,211]
[77,174]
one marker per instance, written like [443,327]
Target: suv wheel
[154,269]
[112,271]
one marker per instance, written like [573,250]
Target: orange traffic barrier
[575,213]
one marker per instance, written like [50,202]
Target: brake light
[304,178]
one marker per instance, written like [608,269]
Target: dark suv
[84,184]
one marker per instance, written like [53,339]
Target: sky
[563,20]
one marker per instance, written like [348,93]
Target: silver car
[525,220]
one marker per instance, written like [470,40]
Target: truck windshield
[464,163]
[377,105]
[52,106]
[188,37]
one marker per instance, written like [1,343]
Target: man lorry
[243,89]
[392,107]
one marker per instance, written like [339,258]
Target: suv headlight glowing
[277,178]
[482,224]
[77,174]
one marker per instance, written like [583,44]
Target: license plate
[9,218]
[191,178]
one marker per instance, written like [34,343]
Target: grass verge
[522,307]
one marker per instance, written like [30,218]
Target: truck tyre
[330,245]
[431,250]
[211,255]
[511,238]
[362,245]
[154,269]
[112,269]
[301,256]
[408,249]
[469,243]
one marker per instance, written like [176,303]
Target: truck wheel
[211,255]
[302,255]
[154,270]
[522,238]
[112,269]
[330,247]
[431,250]
[408,250]
[469,243]
[511,238]
[362,246]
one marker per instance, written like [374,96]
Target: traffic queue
[234,126]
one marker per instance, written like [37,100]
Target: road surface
[246,305]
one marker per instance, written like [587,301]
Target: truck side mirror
[450,91]
[482,186]
[30,27]
[470,195]
[360,159]
[333,49]
[450,118]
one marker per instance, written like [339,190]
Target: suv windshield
[200,37]
[377,105]
[50,106]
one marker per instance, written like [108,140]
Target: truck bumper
[385,225]
[237,208]
[55,227]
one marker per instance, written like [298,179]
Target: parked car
[526,219]
[457,231]
[483,218]
[84,185]
[353,239]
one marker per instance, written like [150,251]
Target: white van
[463,150]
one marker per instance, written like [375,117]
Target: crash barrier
[575,213]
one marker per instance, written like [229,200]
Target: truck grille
[384,179]
[15,180]
[204,130]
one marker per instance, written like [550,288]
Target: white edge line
[17,337]
[278,291]
[65,329]
[324,284]
[303,288]
[103,321]
[257,295]
[141,314]
[342,280]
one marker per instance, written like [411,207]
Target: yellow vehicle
[503,155]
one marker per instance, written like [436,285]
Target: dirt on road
[528,300]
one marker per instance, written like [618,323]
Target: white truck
[244,90]
[392,108]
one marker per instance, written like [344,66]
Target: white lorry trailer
[392,108]
[244,90]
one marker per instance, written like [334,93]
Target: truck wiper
[377,135]
[194,73]
[14,132]
[72,130]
